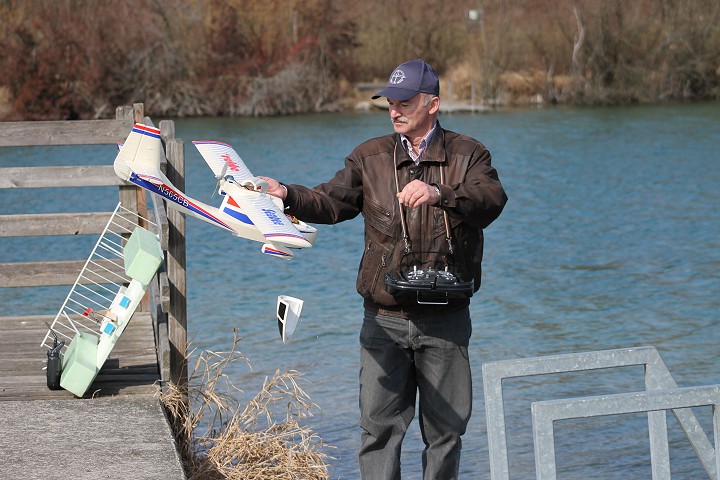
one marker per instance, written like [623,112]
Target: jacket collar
[435,151]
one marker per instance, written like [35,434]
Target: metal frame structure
[661,394]
[98,282]
[546,412]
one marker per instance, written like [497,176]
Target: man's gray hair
[426,98]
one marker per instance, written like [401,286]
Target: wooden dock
[132,368]
[118,429]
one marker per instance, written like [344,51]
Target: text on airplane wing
[275,226]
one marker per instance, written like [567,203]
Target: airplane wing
[223,160]
[275,226]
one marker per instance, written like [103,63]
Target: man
[426,194]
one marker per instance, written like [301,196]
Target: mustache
[399,119]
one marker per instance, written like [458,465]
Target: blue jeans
[400,358]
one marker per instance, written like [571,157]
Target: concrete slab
[124,438]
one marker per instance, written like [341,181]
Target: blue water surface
[610,239]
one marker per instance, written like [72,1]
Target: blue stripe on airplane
[134,178]
[238,216]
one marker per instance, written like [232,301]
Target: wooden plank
[54,177]
[31,325]
[130,113]
[128,196]
[175,265]
[139,377]
[136,113]
[16,369]
[136,348]
[76,132]
[159,216]
[129,358]
[45,274]
[135,345]
[131,368]
[37,225]
[28,321]
[161,228]
[159,317]
[15,334]
[164,283]
[39,391]
[147,369]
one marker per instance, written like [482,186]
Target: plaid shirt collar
[407,144]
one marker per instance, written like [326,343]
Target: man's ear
[434,105]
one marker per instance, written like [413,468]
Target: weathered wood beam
[79,132]
[43,224]
[53,177]
[44,274]
[175,261]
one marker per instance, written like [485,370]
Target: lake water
[610,239]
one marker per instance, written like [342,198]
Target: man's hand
[417,193]
[275,188]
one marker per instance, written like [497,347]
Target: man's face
[412,117]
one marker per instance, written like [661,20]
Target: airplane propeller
[219,179]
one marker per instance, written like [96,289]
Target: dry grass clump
[264,440]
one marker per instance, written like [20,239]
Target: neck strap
[406,236]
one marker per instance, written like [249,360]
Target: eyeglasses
[288,314]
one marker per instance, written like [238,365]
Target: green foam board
[142,255]
[79,364]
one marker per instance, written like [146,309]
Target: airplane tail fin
[141,152]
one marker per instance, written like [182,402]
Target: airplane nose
[296,242]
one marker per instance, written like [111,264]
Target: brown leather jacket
[471,194]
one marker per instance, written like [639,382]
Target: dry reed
[266,439]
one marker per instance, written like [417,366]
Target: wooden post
[177,316]
[127,113]
[128,193]
[138,112]
[138,115]
[131,197]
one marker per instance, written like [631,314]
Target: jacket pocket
[372,266]
[379,217]
[438,221]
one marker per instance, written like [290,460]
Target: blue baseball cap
[409,79]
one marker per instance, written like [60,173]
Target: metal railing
[661,394]
[98,283]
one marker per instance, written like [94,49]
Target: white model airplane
[246,211]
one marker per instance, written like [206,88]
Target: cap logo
[397,77]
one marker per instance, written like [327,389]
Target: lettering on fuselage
[173,196]
[160,190]
[272,215]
